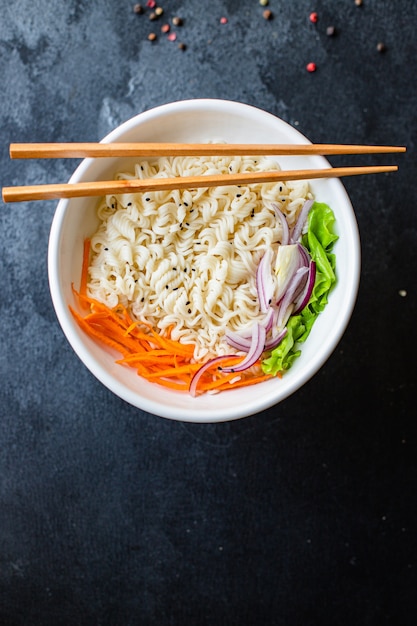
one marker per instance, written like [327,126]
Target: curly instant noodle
[187,259]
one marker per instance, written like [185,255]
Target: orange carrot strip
[245,382]
[109,328]
[190,368]
[216,382]
[96,334]
[171,384]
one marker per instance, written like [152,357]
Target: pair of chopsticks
[102,150]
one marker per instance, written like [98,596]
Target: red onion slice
[198,374]
[285,307]
[273,342]
[255,351]
[288,261]
[304,254]
[305,296]
[299,225]
[285,239]
[237,341]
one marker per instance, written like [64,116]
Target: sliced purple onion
[268,319]
[286,304]
[289,260]
[285,239]
[304,254]
[237,341]
[273,342]
[264,282]
[198,374]
[255,351]
[299,225]
[306,294]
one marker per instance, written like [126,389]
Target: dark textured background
[303,515]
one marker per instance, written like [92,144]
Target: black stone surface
[303,515]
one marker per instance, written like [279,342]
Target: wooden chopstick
[101,188]
[83,150]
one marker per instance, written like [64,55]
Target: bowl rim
[195,413]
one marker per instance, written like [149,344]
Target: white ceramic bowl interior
[201,120]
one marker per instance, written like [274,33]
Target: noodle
[187,259]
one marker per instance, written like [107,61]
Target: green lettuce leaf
[319,241]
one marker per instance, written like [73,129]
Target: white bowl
[202,120]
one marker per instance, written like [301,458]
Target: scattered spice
[358,3]
[172,36]
[151,4]
[165,28]
[330,31]
[314,17]
[159,11]
[223,20]
[182,46]
[264,3]
[311,67]
[177,21]
[151,37]
[381,47]
[267,15]
[153,16]
[138,8]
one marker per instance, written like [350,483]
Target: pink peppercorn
[311,67]
[314,17]
[223,20]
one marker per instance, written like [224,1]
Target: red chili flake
[311,67]
[151,4]
[165,28]
[172,36]
[314,17]
[223,20]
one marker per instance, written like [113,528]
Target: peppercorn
[358,3]
[138,8]
[314,17]
[182,46]
[311,67]
[177,21]
[330,31]
[267,15]
[381,47]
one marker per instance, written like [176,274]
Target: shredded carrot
[156,357]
